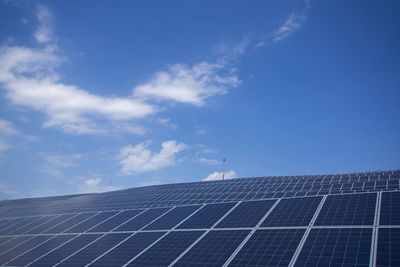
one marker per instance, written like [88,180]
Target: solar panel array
[320,220]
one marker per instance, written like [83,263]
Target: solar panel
[94,250]
[22,248]
[269,247]
[167,249]
[40,250]
[214,248]
[388,252]
[142,220]
[246,214]
[128,249]
[292,212]
[65,250]
[390,208]
[206,216]
[336,247]
[352,209]
[115,221]
[265,221]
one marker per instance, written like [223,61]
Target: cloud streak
[139,158]
[218,176]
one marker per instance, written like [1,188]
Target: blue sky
[101,95]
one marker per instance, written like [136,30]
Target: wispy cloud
[209,161]
[218,176]
[188,84]
[94,185]
[140,158]
[44,32]
[290,25]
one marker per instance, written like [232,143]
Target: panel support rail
[374,239]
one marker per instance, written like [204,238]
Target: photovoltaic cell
[4,239]
[172,218]
[31,225]
[390,209]
[167,249]
[91,222]
[22,248]
[336,247]
[115,221]
[14,226]
[352,209]
[207,216]
[388,252]
[213,249]
[142,219]
[45,226]
[69,223]
[40,250]
[269,247]
[128,249]
[292,212]
[246,214]
[65,250]
[13,243]
[94,250]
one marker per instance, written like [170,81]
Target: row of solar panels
[262,247]
[336,210]
[190,196]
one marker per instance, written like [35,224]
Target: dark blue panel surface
[94,250]
[246,214]
[354,209]
[272,247]
[65,250]
[15,225]
[32,225]
[45,226]
[172,218]
[115,221]
[142,219]
[207,216]
[16,241]
[69,223]
[214,248]
[388,252]
[40,250]
[293,212]
[16,251]
[4,239]
[89,223]
[336,247]
[390,209]
[128,249]
[167,249]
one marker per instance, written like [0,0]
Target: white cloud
[94,186]
[44,33]
[185,84]
[7,130]
[62,161]
[209,161]
[218,176]
[139,158]
[290,25]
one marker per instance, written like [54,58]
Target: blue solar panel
[141,220]
[214,248]
[293,212]
[128,249]
[388,252]
[336,247]
[4,239]
[172,218]
[390,209]
[167,249]
[91,222]
[94,250]
[69,223]
[354,209]
[269,248]
[31,225]
[45,226]
[65,250]
[13,243]
[14,226]
[246,214]
[207,216]
[40,250]
[22,248]
[115,221]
